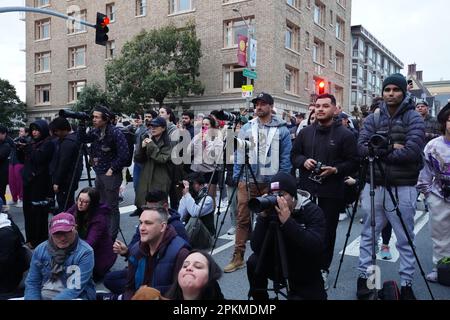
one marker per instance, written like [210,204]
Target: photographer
[37,182]
[64,163]
[270,147]
[109,154]
[396,134]
[325,152]
[302,225]
[434,183]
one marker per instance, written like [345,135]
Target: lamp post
[250,33]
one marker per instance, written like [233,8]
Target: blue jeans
[115,281]
[136,174]
[407,204]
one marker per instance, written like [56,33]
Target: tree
[155,65]
[12,110]
[90,97]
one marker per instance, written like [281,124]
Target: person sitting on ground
[158,255]
[92,219]
[61,267]
[14,258]
[197,279]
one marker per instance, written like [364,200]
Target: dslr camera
[49,203]
[82,116]
[261,204]
[315,174]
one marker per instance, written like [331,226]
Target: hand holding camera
[282,209]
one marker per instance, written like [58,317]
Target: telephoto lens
[260,204]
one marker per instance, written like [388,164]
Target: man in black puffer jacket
[401,160]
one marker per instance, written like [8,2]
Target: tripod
[372,159]
[274,242]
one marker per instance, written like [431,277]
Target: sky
[413,30]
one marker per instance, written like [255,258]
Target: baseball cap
[62,222]
[441,116]
[158,122]
[267,98]
[284,182]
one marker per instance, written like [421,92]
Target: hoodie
[269,149]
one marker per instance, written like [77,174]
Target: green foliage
[11,108]
[90,97]
[155,65]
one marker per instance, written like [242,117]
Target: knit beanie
[398,80]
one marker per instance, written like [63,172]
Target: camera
[49,203]
[82,116]
[260,204]
[21,140]
[241,143]
[379,141]
[315,174]
[227,116]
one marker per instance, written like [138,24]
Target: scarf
[58,257]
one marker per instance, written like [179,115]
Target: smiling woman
[197,279]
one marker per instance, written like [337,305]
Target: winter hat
[285,182]
[398,80]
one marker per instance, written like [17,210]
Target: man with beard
[325,152]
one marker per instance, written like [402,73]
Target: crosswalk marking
[420,220]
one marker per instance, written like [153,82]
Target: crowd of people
[303,169]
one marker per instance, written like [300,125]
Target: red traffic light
[105,21]
[321,86]
[101,29]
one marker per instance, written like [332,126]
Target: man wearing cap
[434,183]
[302,227]
[61,268]
[432,126]
[109,155]
[402,161]
[268,154]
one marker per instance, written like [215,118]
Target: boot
[236,263]
[407,292]
[362,291]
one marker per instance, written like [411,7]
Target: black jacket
[304,240]
[64,161]
[333,146]
[5,151]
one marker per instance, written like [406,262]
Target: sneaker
[385,254]
[231,231]
[362,291]
[11,203]
[342,216]
[407,293]
[432,276]
[325,279]
[236,263]
[19,204]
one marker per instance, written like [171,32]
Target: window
[42,94]
[331,17]
[234,78]
[292,40]
[342,3]
[141,8]
[339,67]
[340,26]
[318,51]
[294,3]
[75,88]
[339,94]
[42,63]
[111,11]
[291,80]
[73,26]
[180,5]
[306,80]
[319,13]
[42,29]
[77,57]
[307,40]
[41,3]
[233,29]
[110,49]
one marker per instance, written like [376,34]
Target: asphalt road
[235,285]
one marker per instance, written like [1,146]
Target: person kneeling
[302,227]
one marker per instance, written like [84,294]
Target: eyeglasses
[83,201]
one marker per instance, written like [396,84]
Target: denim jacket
[77,277]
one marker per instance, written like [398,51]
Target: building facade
[440,90]
[300,43]
[372,62]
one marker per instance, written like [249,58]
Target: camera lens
[262,203]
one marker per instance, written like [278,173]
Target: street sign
[250,74]
[247,91]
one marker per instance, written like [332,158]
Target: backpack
[199,235]
[130,137]
[443,271]
[389,291]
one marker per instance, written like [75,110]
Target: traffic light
[321,87]
[101,29]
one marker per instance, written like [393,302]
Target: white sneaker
[231,231]
[19,204]
[325,279]
[11,203]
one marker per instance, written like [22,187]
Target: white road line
[420,220]
[127,209]
[226,245]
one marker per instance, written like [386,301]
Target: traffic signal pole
[46,11]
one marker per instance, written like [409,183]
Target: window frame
[73,52]
[38,62]
[39,94]
[73,90]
